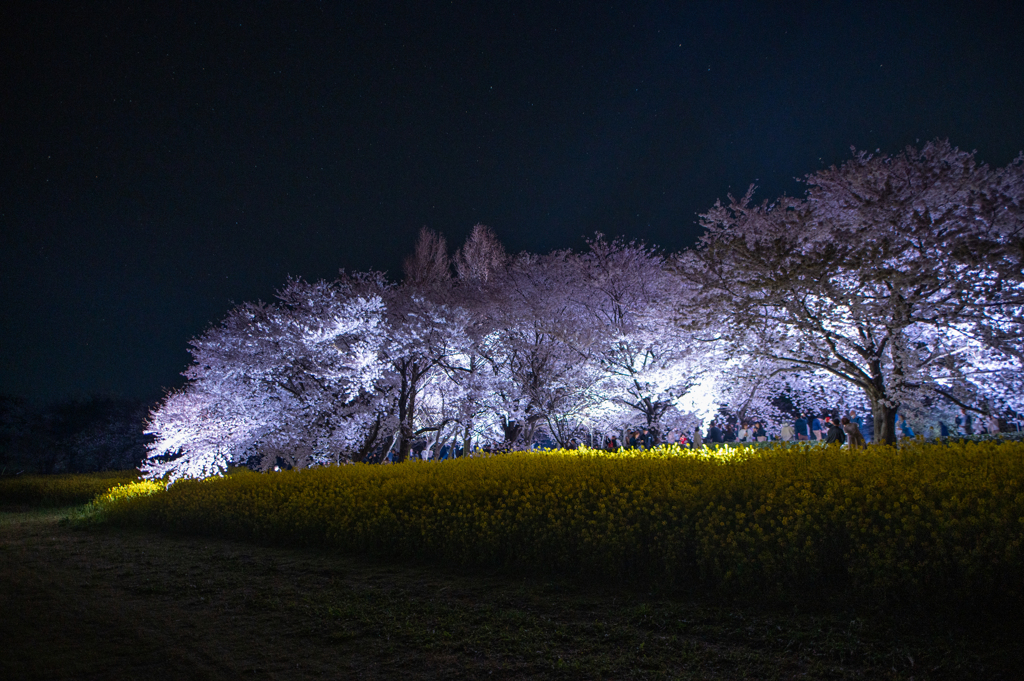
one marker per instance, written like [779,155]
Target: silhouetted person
[729,435]
[715,434]
[835,434]
[800,426]
[853,434]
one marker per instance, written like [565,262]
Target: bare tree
[429,266]
[481,256]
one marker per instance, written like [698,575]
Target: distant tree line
[96,433]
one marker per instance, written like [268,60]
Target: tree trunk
[512,431]
[366,449]
[404,443]
[531,432]
[648,411]
[435,450]
[406,409]
[884,416]
[884,422]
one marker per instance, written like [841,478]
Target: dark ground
[105,604]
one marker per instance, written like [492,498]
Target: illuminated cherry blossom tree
[895,283]
[536,349]
[427,331]
[297,380]
[858,279]
[626,294]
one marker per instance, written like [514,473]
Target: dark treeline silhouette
[83,435]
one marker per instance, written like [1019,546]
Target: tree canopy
[895,283]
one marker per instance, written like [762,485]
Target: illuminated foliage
[871,276]
[895,284]
[295,381]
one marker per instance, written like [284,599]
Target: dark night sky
[160,160]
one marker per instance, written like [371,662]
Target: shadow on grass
[116,604]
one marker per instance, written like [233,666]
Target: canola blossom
[61,490]
[924,520]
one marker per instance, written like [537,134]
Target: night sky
[162,161]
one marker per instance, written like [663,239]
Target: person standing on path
[816,428]
[963,423]
[800,426]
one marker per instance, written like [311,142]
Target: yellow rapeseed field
[931,520]
[60,490]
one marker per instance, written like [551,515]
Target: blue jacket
[801,427]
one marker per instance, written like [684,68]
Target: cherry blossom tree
[426,330]
[989,243]
[858,279]
[526,343]
[625,292]
[297,380]
[896,282]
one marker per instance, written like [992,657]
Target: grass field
[105,603]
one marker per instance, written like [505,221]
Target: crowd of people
[845,430]
[852,430]
[825,429]
[966,425]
